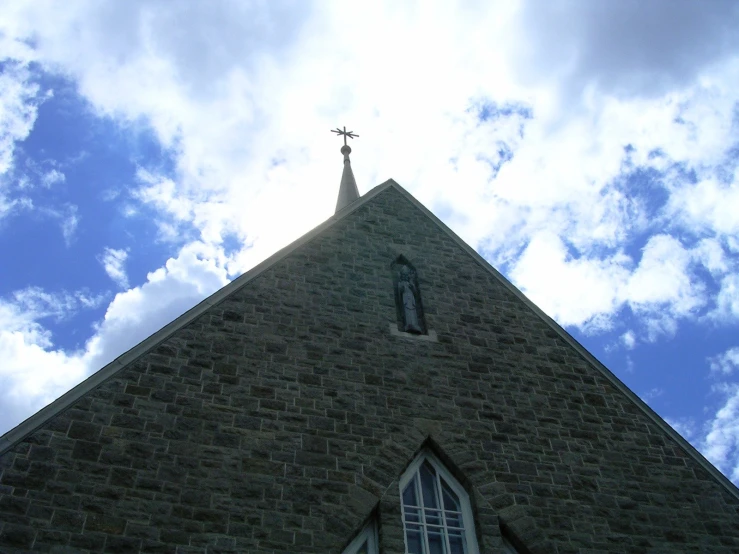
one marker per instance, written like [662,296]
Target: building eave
[34,422]
[24,429]
[730,487]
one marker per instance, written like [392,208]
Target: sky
[152,151]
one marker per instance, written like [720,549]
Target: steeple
[348,191]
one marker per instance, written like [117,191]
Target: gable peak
[348,191]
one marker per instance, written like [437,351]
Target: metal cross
[345,133]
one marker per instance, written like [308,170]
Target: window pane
[451,500]
[433,517]
[409,494]
[436,543]
[413,539]
[412,515]
[456,543]
[428,486]
[453,519]
[432,512]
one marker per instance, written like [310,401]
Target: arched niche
[408,303]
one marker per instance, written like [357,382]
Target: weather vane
[345,133]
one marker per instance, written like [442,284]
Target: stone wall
[282,418]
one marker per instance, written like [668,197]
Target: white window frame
[468,519]
[369,533]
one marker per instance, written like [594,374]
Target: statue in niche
[408,298]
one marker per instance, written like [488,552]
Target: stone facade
[281,419]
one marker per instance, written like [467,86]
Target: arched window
[365,542]
[437,516]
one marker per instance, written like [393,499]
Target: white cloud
[226,128]
[19,99]
[661,289]
[627,48]
[726,362]
[590,291]
[35,371]
[69,223]
[721,443]
[88,300]
[710,254]
[31,374]
[52,177]
[243,98]
[133,315]
[575,291]
[113,261]
[41,304]
[708,205]
[654,392]
[629,339]
[160,192]
[718,438]
[38,304]
[685,426]
[67,215]
[33,303]
[727,301]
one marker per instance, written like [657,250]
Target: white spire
[348,191]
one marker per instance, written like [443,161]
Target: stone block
[279,420]
[17,536]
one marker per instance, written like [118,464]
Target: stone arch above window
[437,515]
[408,297]
[365,542]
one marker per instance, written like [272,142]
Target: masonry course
[281,419]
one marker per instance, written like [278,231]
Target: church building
[374,387]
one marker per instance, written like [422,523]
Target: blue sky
[151,151]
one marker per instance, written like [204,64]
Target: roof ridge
[584,352]
[31,424]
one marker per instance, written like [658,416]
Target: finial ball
[346,150]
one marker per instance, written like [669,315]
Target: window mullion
[442,513]
[424,527]
[405,521]
[460,513]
